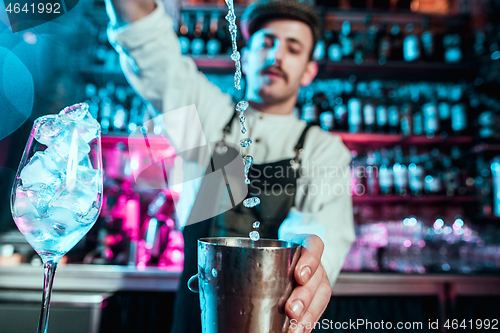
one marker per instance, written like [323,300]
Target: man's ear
[244,59]
[309,74]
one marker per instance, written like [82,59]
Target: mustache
[276,69]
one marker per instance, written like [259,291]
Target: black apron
[275,184]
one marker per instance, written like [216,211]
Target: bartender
[313,206]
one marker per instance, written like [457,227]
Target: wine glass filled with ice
[57,193]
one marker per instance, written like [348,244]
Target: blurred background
[411,86]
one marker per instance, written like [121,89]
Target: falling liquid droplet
[251,202]
[245,142]
[242,312]
[214,272]
[247,161]
[242,106]
[254,235]
[256,225]
[242,122]
[233,31]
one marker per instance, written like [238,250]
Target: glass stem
[49,268]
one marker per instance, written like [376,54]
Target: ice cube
[73,113]
[60,222]
[63,145]
[79,199]
[40,196]
[47,129]
[89,177]
[36,172]
[23,205]
[256,225]
[68,202]
[53,162]
[78,117]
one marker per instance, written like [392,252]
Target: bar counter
[109,279]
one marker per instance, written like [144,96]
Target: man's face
[277,62]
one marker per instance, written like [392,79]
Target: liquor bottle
[430,118]
[434,174]
[495,172]
[372,172]
[382,118]
[444,112]
[466,182]
[400,172]
[340,112]
[326,121]
[119,119]
[354,115]
[411,44]
[383,44]
[198,43]
[452,44]
[371,43]
[427,41]
[153,239]
[407,119]
[452,177]
[334,48]
[484,186]
[417,123]
[386,173]
[346,40]
[309,109]
[323,106]
[415,173]
[480,44]
[213,43]
[359,42]
[185,34]
[393,113]
[224,37]
[459,121]
[369,115]
[396,43]
[358,174]
[105,113]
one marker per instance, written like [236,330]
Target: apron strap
[302,139]
[296,162]
[227,128]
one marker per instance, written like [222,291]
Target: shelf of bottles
[365,42]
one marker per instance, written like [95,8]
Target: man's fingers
[310,257]
[316,308]
[302,296]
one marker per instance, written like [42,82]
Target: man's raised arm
[143,34]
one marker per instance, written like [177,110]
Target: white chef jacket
[154,66]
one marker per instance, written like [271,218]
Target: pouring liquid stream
[241,108]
